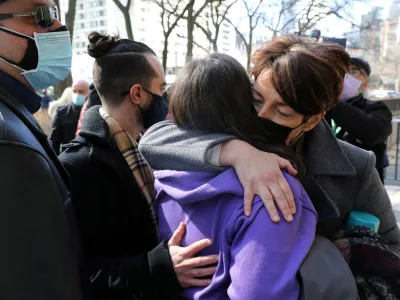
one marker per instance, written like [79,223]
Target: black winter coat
[119,234]
[365,124]
[64,125]
[39,252]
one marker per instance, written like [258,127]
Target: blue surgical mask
[78,99]
[48,58]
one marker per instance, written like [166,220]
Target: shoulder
[361,159]
[77,157]
[61,111]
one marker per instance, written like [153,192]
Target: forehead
[24,5]
[80,85]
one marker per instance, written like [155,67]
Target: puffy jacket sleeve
[148,274]
[166,146]
[37,255]
[266,256]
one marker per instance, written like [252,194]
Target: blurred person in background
[65,121]
[93,100]
[38,254]
[361,122]
[65,99]
[42,116]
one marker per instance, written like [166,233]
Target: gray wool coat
[340,177]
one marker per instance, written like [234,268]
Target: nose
[57,24]
[265,112]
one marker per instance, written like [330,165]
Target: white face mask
[351,88]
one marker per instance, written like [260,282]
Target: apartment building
[105,17]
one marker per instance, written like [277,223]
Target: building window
[82,25]
[93,24]
[81,16]
[143,9]
[101,13]
[102,23]
[83,45]
[81,6]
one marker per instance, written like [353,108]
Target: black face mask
[31,57]
[277,133]
[157,112]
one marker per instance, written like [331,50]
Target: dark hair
[119,64]
[307,75]
[213,95]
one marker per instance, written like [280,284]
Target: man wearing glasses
[359,121]
[38,256]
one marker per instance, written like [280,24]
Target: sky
[330,26]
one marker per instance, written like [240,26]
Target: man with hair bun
[113,187]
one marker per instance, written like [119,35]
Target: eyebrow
[280,103]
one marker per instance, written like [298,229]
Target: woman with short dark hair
[296,81]
[258,259]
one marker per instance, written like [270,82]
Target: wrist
[232,152]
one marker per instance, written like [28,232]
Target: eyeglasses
[44,16]
[357,73]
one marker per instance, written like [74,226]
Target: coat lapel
[324,158]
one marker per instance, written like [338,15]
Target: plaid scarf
[141,171]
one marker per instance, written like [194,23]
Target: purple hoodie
[258,259]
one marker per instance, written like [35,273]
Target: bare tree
[125,9]
[283,16]
[215,16]
[69,22]
[316,10]
[254,16]
[170,14]
[191,18]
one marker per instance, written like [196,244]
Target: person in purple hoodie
[258,259]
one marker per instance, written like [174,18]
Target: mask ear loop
[289,142]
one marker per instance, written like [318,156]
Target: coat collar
[94,127]
[324,155]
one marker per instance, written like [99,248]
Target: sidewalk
[394,194]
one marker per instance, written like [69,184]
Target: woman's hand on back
[189,269]
[260,174]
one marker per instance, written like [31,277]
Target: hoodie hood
[192,187]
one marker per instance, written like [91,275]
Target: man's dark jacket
[64,125]
[365,124]
[38,256]
[118,230]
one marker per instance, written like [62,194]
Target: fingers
[201,261]
[268,201]
[196,247]
[178,235]
[286,165]
[203,272]
[248,197]
[287,192]
[194,282]
[281,201]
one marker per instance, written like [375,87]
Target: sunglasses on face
[44,16]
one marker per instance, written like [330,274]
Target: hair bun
[100,45]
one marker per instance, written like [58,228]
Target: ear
[137,94]
[313,121]
[366,84]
